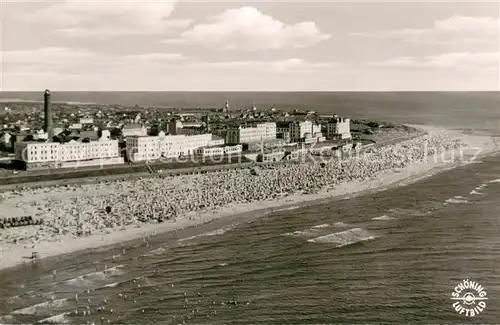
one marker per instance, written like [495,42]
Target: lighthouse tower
[47,125]
[226,107]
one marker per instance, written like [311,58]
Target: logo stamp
[470,298]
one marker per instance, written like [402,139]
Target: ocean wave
[78,281]
[340,224]
[111,285]
[89,278]
[344,238]
[6,319]
[474,192]
[43,308]
[480,187]
[323,225]
[57,319]
[157,251]
[456,201]
[13,299]
[286,209]
[495,181]
[216,232]
[301,233]
[408,212]
[383,218]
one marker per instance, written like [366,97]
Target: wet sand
[75,217]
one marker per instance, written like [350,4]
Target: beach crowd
[161,198]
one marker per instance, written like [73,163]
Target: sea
[389,257]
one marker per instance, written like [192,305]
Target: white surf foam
[340,224]
[480,187]
[474,192]
[13,299]
[383,218]
[324,225]
[157,251]
[286,209]
[89,278]
[6,319]
[301,233]
[111,285]
[57,319]
[495,181]
[456,201]
[408,212]
[313,231]
[43,308]
[217,232]
[344,238]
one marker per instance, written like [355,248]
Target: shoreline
[12,255]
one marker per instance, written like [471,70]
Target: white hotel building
[299,130]
[144,148]
[69,154]
[251,134]
[338,128]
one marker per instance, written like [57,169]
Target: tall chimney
[47,115]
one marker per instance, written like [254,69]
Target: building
[256,133]
[312,138]
[42,155]
[175,127]
[283,127]
[147,148]
[172,126]
[5,140]
[285,136]
[272,156]
[338,128]
[40,135]
[300,129]
[75,126]
[220,150]
[129,130]
[86,121]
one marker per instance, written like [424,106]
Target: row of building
[293,131]
[141,147]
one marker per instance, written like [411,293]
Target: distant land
[447,109]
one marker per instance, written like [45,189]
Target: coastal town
[281,167]
[62,137]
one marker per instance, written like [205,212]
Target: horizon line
[246,91]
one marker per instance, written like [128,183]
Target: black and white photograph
[249,162]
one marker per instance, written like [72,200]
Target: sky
[181,45]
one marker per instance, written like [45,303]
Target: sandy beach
[79,217]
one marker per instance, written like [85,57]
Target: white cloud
[455,29]
[79,61]
[454,61]
[247,28]
[291,65]
[488,25]
[107,18]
